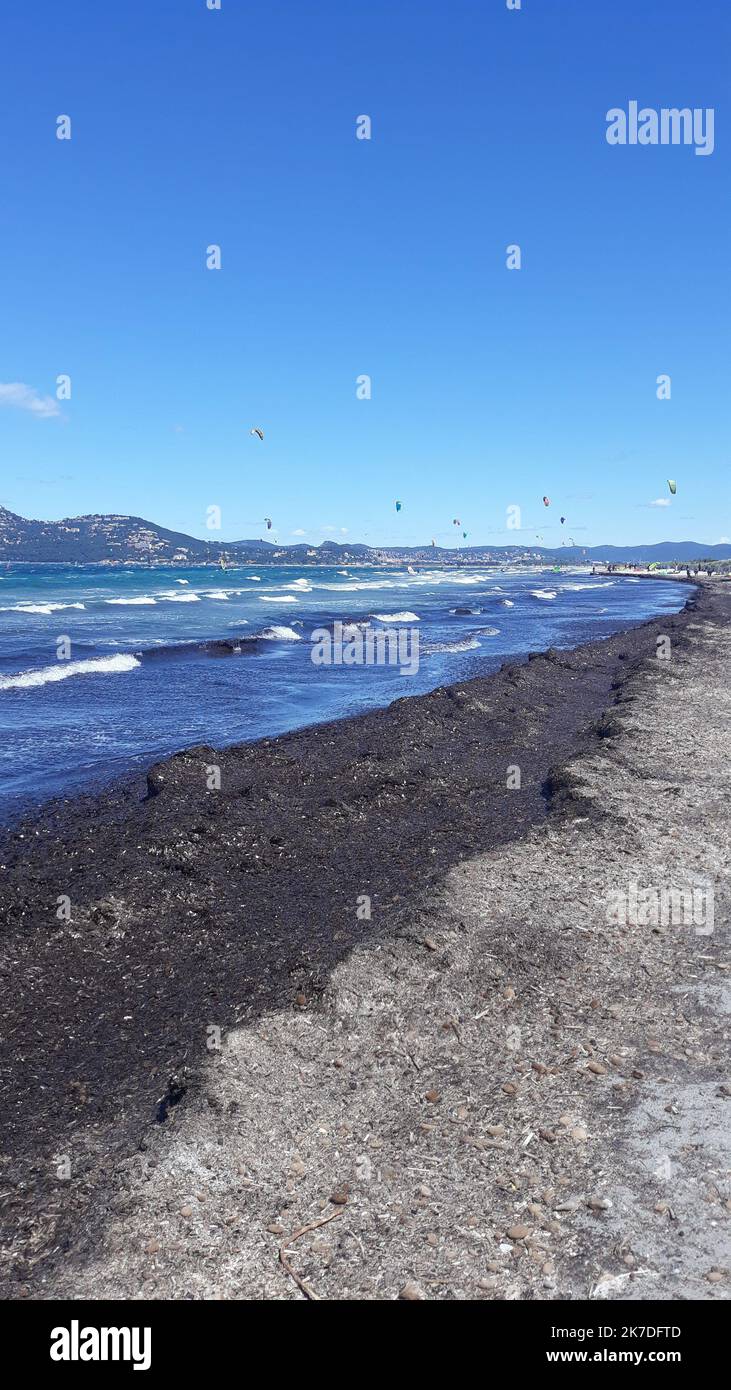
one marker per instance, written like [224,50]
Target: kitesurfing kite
[257,431]
[546,501]
[672,485]
[563,518]
[398,506]
[456,521]
[268,521]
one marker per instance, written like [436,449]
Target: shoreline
[129,773]
[192,909]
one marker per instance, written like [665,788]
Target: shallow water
[136,684]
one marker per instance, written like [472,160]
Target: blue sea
[103,671]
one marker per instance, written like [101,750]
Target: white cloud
[343,530]
[16,393]
[660,502]
[724,540]
[299,532]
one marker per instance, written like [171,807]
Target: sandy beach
[364,1024]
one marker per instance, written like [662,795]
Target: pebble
[714,1276]
[340,1196]
[186,1211]
[152,1247]
[599,1203]
[598,1068]
[495,1130]
[432,1097]
[412,1293]
[518,1232]
[510,1088]
[275,1228]
[300,1000]
[579,1135]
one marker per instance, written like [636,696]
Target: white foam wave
[40,607]
[280,634]
[277,598]
[351,588]
[467,644]
[132,602]
[543,593]
[95,666]
[606,585]
[396,617]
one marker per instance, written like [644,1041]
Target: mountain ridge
[115,536]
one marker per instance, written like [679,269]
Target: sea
[105,670]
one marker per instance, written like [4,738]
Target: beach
[374,981]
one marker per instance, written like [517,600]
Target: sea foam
[95,666]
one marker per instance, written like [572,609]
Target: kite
[268,521]
[672,485]
[257,431]
[546,501]
[398,506]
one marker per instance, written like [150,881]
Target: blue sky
[386,257]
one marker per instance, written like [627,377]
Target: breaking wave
[396,617]
[97,666]
[278,633]
[131,602]
[40,607]
[467,644]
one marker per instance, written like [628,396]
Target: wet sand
[366,1057]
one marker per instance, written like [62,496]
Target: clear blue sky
[387,257]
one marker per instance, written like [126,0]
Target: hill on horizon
[96,538]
